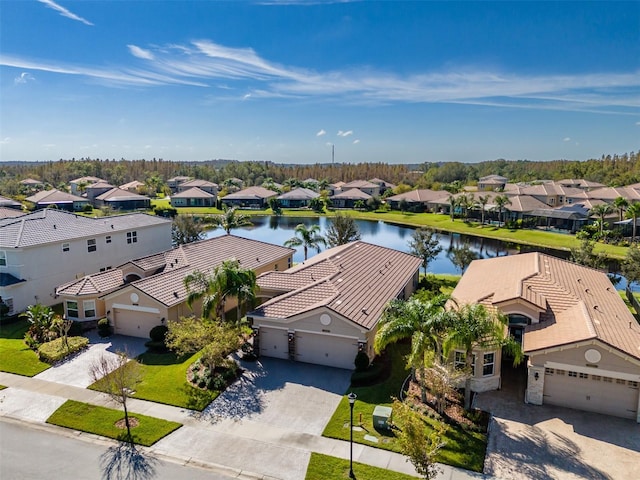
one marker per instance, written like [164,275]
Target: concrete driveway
[75,371]
[549,442]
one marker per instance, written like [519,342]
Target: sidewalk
[242,446]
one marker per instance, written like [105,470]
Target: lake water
[277,230]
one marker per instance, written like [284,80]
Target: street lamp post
[352,400]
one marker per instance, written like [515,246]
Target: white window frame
[70,310]
[486,364]
[3,258]
[87,307]
[66,247]
[92,245]
[107,239]
[459,359]
[132,237]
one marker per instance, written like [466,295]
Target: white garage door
[274,342]
[326,350]
[134,324]
[593,393]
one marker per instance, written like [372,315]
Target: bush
[157,333]
[88,208]
[362,361]
[55,350]
[104,327]
[165,211]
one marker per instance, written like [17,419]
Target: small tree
[342,230]
[462,257]
[418,441]
[424,244]
[118,377]
[186,229]
[584,255]
[633,212]
[631,265]
[230,219]
[41,318]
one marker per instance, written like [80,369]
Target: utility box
[381,416]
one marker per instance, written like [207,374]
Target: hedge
[55,350]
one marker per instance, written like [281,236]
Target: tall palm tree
[601,211]
[621,204]
[473,326]
[307,237]
[501,201]
[423,322]
[633,212]
[453,203]
[482,201]
[230,219]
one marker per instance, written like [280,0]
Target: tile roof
[193,192]
[299,194]
[8,202]
[135,184]
[352,193]
[360,184]
[31,181]
[6,212]
[118,194]
[54,196]
[421,195]
[580,302]
[198,183]
[611,193]
[88,180]
[250,193]
[51,225]
[100,184]
[95,284]
[354,280]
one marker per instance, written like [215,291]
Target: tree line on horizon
[611,170]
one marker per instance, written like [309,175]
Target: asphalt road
[28,452]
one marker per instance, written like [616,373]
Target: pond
[277,230]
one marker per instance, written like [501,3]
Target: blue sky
[395,82]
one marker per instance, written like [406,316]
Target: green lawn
[15,356]
[323,467]
[463,449]
[101,421]
[164,380]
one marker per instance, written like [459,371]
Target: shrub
[104,327]
[157,333]
[165,211]
[361,362]
[88,208]
[55,350]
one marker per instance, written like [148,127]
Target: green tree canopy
[342,230]
[424,244]
[306,237]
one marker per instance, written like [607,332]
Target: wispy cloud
[24,77]
[140,52]
[356,141]
[64,12]
[204,63]
[5,141]
[321,133]
[637,123]
[566,139]
[342,133]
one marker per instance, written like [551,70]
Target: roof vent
[112,226]
[364,310]
[54,227]
[175,294]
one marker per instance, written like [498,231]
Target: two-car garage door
[593,393]
[321,349]
[134,323]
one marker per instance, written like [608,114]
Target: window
[132,237]
[597,378]
[91,245]
[65,247]
[459,360]
[6,306]
[72,309]
[607,379]
[3,258]
[488,363]
[108,239]
[560,372]
[289,262]
[548,371]
[573,374]
[89,308]
[583,375]
[632,384]
[619,381]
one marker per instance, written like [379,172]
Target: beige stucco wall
[520,307]
[123,297]
[99,307]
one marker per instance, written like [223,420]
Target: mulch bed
[122,425]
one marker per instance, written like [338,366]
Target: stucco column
[535,384]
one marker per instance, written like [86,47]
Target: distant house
[94,190]
[297,198]
[492,183]
[79,184]
[193,197]
[371,189]
[252,197]
[609,194]
[383,185]
[203,185]
[149,291]
[29,185]
[335,188]
[327,308]
[43,249]
[581,342]
[349,198]
[132,186]
[174,182]
[10,203]
[119,199]
[56,198]
[419,200]
[579,183]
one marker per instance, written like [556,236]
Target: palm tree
[601,211]
[453,203]
[423,322]
[306,237]
[633,212]
[473,326]
[501,201]
[226,280]
[230,220]
[621,204]
[482,201]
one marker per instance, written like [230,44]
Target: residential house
[10,203]
[420,200]
[94,190]
[203,185]
[132,186]
[579,183]
[193,197]
[335,188]
[372,189]
[252,197]
[78,185]
[118,199]
[327,308]
[57,199]
[174,182]
[383,186]
[46,248]
[609,194]
[581,342]
[297,198]
[149,291]
[349,198]
[492,183]
[29,185]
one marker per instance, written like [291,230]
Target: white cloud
[566,139]
[64,12]
[147,147]
[321,133]
[248,95]
[140,52]
[638,123]
[342,133]
[356,141]
[5,141]
[23,78]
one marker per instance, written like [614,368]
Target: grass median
[323,467]
[15,356]
[102,421]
